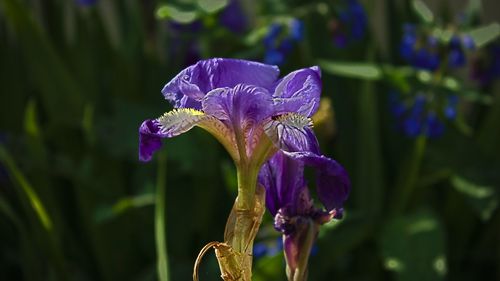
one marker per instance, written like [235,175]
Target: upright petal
[299,92]
[193,83]
[242,108]
[332,184]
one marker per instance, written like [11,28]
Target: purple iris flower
[289,201]
[264,123]
[247,108]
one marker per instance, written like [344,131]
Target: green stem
[408,177]
[160,235]
[242,226]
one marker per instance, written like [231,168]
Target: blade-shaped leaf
[485,34]
[123,205]
[423,11]
[482,198]
[211,6]
[364,71]
[183,16]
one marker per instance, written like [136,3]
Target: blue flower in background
[426,51]
[281,39]
[351,24]
[269,248]
[417,115]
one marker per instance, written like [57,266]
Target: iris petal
[176,122]
[242,108]
[149,139]
[292,132]
[283,179]
[333,183]
[299,92]
[194,82]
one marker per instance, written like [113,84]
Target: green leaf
[485,34]
[423,11]
[413,247]
[177,14]
[482,198]
[211,6]
[364,71]
[30,120]
[123,205]
[474,96]
[28,190]
[28,193]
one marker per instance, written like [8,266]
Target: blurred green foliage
[75,204]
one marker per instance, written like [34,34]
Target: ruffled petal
[193,83]
[242,108]
[333,184]
[299,92]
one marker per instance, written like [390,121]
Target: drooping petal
[176,122]
[292,132]
[333,184]
[193,83]
[283,179]
[149,139]
[299,92]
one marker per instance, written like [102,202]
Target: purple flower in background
[486,66]
[280,40]
[184,47]
[233,17]
[351,24]
[86,2]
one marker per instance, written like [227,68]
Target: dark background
[77,80]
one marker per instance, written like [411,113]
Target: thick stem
[242,226]
[409,176]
